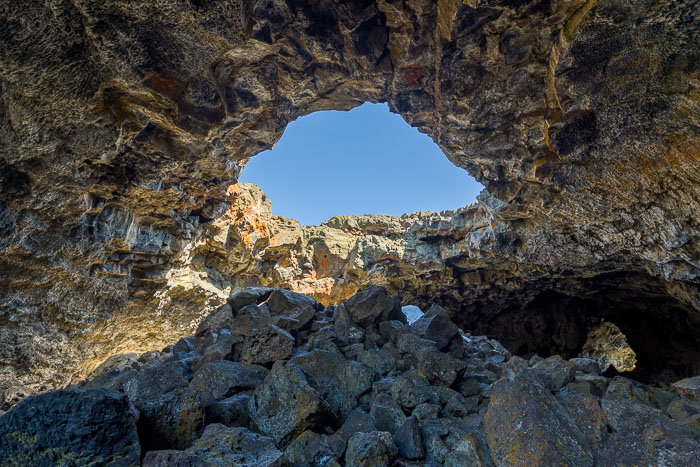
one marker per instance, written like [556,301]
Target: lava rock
[386,414]
[268,345]
[232,411]
[221,445]
[225,378]
[409,391]
[357,422]
[375,449]
[286,405]
[524,425]
[436,325]
[311,448]
[555,372]
[688,388]
[409,440]
[292,305]
[339,381]
[216,321]
[586,412]
[438,367]
[587,365]
[71,427]
[250,296]
[374,304]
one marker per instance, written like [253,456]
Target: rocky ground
[274,378]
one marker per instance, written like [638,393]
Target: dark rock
[555,372]
[645,436]
[386,414]
[688,388]
[408,439]
[118,363]
[438,367]
[269,345]
[286,405]
[409,392]
[587,365]
[374,304]
[220,445]
[426,411]
[586,412]
[232,411]
[250,319]
[375,449]
[625,388]
[292,305]
[589,384]
[436,325]
[216,321]
[70,427]
[225,378]
[220,349]
[311,448]
[525,425]
[339,381]
[410,343]
[357,422]
[250,296]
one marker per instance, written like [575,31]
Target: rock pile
[274,378]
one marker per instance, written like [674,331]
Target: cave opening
[363,161]
[661,328]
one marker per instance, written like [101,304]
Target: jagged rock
[72,427]
[118,363]
[688,388]
[524,425]
[625,388]
[220,445]
[356,422]
[386,414]
[232,411]
[586,365]
[225,378]
[268,345]
[586,412]
[555,372]
[408,439]
[438,367]
[409,391]
[589,384]
[286,405]
[374,304]
[216,320]
[375,449]
[339,381]
[436,325]
[311,449]
[292,305]
[249,296]
[644,436]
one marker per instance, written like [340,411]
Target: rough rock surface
[124,127]
[327,408]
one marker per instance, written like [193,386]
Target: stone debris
[391,394]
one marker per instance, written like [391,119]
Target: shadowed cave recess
[123,223]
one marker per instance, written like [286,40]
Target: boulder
[374,304]
[688,388]
[375,449]
[286,405]
[438,367]
[436,325]
[216,320]
[221,445]
[586,412]
[311,448]
[292,305]
[232,411]
[386,414]
[524,425]
[357,422]
[645,436]
[408,439]
[586,365]
[409,391]
[555,372]
[225,378]
[339,381]
[250,296]
[268,345]
[71,427]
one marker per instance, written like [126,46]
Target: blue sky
[365,161]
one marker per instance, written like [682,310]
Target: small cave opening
[363,161]
[662,331]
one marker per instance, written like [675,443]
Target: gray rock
[587,365]
[438,367]
[232,411]
[555,372]
[408,439]
[688,388]
[222,446]
[374,304]
[339,381]
[292,305]
[586,412]
[225,378]
[119,363]
[409,392]
[386,414]
[269,345]
[645,436]
[375,449]
[357,422]
[250,296]
[524,424]
[436,325]
[70,427]
[625,388]
[311,448]
[286,405]
[216,321]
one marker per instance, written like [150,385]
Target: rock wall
[124,127]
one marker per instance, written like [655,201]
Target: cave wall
[124,127]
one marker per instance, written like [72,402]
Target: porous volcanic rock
[124,127]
